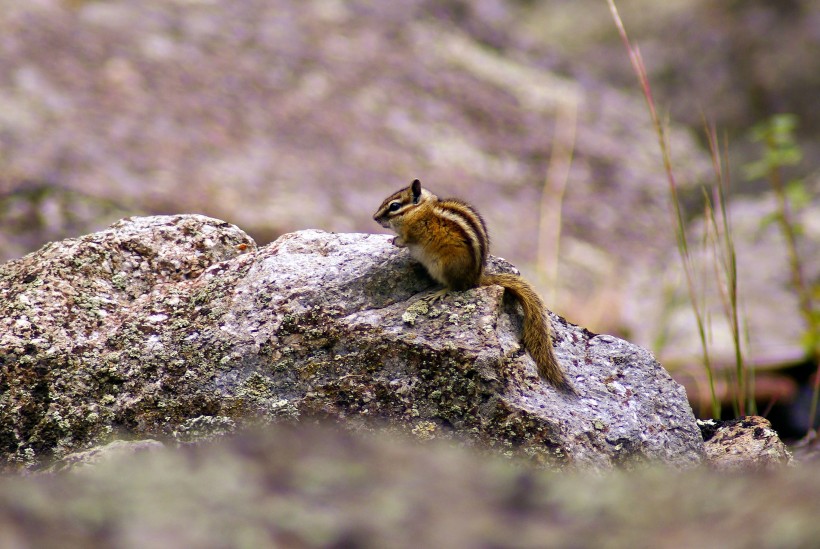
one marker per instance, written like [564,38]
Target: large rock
[179,326]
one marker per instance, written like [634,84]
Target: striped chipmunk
[450,239]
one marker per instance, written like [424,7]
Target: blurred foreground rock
[179,327]
[310,487]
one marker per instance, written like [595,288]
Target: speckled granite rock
[172,326]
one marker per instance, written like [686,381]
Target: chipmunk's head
[399,203]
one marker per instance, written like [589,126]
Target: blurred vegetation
[781,151]
[777,133]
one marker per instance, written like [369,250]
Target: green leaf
[810,341]
[756,170]
[797,194]
[768,219]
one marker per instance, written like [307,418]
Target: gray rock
[180,327]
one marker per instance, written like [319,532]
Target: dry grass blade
[683,247]
[552,196]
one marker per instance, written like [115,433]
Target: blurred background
[279,115]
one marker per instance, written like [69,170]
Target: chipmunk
[450,239]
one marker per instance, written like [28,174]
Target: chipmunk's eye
[394,206]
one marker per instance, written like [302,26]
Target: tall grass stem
[683,247]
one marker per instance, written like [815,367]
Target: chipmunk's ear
[416,188]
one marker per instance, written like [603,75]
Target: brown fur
[450,239]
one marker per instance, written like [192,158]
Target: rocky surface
[180,327]
[309,487]
[744,444]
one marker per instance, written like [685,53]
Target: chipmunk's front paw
[436,296]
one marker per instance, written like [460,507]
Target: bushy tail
[537,338]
